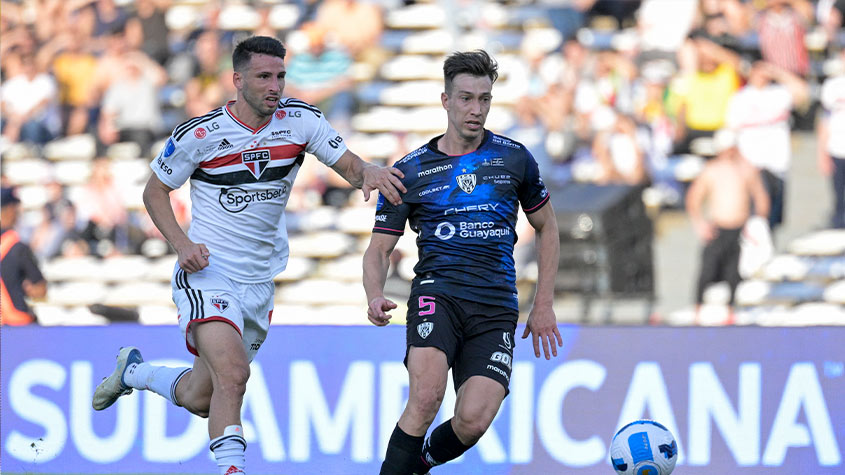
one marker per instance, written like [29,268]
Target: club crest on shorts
[466,182]
[219,304]
[424,329]
[256,161]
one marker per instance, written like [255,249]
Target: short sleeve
[532,191]
[390,219]
[174,164]
[325,143]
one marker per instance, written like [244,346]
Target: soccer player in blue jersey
[463,192]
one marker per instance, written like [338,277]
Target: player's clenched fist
[377,311]
[193,257]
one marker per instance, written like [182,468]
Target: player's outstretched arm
[376,264]
[193,257]
[369,177]
[542,322]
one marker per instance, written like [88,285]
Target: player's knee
[233,379]
[470,427]
[426,403]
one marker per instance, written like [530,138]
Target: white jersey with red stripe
[241,179]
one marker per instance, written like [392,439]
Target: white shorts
[208,296]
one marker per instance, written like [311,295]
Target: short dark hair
[256,45]
[475,63]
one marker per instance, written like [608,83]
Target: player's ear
[444,99]
[237,79]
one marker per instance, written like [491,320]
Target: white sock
[161,380]
[229,450]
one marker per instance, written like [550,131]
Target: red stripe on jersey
[279,152]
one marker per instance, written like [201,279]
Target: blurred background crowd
[608,92]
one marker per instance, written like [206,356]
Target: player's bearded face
[468,104]
[263,83]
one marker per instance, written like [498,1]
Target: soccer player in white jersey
[242,160]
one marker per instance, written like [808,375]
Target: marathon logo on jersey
[437,169]
[219,304]
[466,182]
[506,337]
[256,161]
[224,145]
[235,200]
[424,329]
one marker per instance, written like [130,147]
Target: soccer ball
[643,447]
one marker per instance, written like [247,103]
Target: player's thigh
[478,401]
[487,349]
[428,371]
[432,323]
[220,346]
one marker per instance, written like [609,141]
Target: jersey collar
[238,121]
[432,145]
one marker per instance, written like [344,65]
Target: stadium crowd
[607,91]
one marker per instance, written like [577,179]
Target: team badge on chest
[256,161]
[466,182]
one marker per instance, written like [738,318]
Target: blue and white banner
[324,400]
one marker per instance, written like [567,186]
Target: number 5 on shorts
[426,303]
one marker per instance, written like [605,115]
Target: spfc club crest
[256,161]
[466,182]
[219,304]
[424,329]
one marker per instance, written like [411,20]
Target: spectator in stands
[130,110]
[103,208]
[355,24]
[148,30]
[319,74]
[599,93]
[58,233]
[211,84]
[759,113]
[74,67]
[702,96]
[20,277]
[568,16]
[831,16]
[831,138]
[726,184]
[781,27]
[663,25]
[29,102]
[620,153]
[109,17]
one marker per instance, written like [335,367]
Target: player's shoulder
[196,128]
[293,107]
[497,140]
[412,157]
